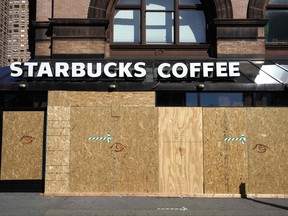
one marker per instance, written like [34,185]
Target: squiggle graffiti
[108,138]
[261,148]
[242,139]
[27,139]
[118,147]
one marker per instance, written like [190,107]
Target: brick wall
[71,8]
[78,46]
[239,8]
[44,10]
[240,47]
[231,39]
[42,48]
[58,147]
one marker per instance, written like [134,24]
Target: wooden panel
[268,138]
[128,164]
[91,161]
[137,165]
[180,124]
[22,145]
[112,98]
[58,98]
[181,168]
[225,162]
[180,151]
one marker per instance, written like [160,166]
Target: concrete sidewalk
[33,204]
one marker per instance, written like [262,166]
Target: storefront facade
[135,98]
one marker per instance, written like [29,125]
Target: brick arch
[257,8]
[220,9]
[98,9]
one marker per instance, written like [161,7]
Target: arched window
[277,14]
[159,22]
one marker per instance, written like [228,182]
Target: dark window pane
[191,100]
[262,99]
[271,99]
[221,99]
[280,99]
[23,100]
[178,99]
[278,2]
[276,30]
[162,99]
[137,2]
[172,99]
[189,2]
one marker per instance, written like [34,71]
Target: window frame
[143,11]
[275,7]
[249,99]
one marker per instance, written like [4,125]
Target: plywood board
[127,164]
[180,124]
[181,168]
[180,151]
[91,161]
[58,98]
[22,145]
[136,166]
[268,138]
[138,99]
[225,162]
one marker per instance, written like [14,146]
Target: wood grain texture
[91,162]
[180,124]
[228,164]
[136,167]
[137,99]
[128,164]
[225,163]
[22,146]
[165,151]
[180,151]
[268,167]
[58,98]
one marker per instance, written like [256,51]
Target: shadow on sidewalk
[242,191]
[268,204]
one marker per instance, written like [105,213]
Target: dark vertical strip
[143,22]
[52,11]
[176,21]
[31,30]
[1,135]
[44,148]
[199,99]
[51,30]
[111,19]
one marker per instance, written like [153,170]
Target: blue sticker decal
[242,139]
[108,138]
